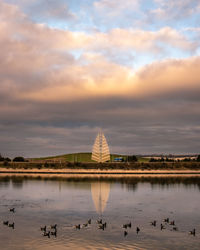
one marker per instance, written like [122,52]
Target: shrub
[132,158]
[1,158]
[19,159]
[7,159]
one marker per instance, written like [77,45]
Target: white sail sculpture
[100,151]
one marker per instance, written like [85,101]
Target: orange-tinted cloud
[37,64]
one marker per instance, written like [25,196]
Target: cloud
[116,7]
[100,78]
[37,64]
[144,41]
[174,10]
[46,11]
[57,87]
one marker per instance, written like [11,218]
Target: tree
[19,159]
[1,158]
[132,158]
[7,159]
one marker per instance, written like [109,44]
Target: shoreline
[98,172]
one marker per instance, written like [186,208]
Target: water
[68,201]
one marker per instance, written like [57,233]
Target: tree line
[16,159]
[166,159]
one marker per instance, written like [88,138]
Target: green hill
[75,157]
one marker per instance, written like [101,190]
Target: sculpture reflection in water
[100,195]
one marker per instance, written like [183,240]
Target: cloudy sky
[70,67]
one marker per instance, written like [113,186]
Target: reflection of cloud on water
[100,194]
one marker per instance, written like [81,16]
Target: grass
[143,159]
[77,157]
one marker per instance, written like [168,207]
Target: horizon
[117,154]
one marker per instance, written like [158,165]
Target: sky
[69,68]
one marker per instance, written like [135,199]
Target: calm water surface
[68,201]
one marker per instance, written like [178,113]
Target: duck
[54,233]
[12,209]
[89,221]
[99,221]
[47,234]
[12,225]
[78,226]
[161,226]
[54,226]
[137,230]
[175,229]
[166,220]
[101,226]
[153,223]
[193,232]
[6,223]
[124,226]
[43,228]
[129,224]
[85,224]
[125,233]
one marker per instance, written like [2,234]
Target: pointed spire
[100,151]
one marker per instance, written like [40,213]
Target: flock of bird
[8,223]
[52,229]
[102,225]
[162,226]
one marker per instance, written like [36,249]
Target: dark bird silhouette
[99,221]
[89,221]
[161,226]
[78,226]
[54,233]
[125,226]
[137,230]
[12,209]
[172,223]
[54,226]
[47,234]
[12,225]
[129,224]
[6,223]
[166,220]
[105,224]
[193,232]
[175,229]
[101,226]
[125,233]
[43,228]
[153,223]
[85,224]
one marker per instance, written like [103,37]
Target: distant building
[119,159]
[100,151]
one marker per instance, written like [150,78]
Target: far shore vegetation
[83,161]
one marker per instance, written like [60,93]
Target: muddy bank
[98,171]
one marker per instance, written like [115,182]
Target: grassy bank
[104,166]
[75,157]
